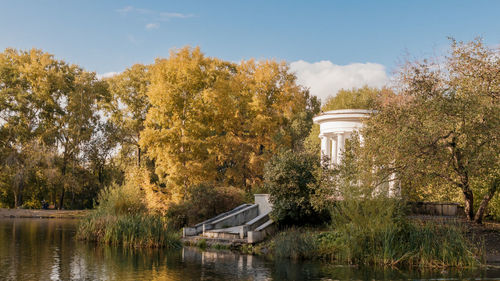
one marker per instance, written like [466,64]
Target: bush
[119,200]
[290,178]
[203,202]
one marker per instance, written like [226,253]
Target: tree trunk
[469,203]
[61,199]
[63,172]
[486,199]
[16,203]
[138,156]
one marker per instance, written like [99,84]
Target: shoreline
[487,233]
[42,214]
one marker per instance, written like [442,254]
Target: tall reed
[122,218]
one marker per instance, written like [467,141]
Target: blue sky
[349,40]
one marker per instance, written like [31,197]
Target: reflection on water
[45,249]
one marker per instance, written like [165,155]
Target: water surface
[45,249]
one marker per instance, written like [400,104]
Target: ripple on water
[45,249]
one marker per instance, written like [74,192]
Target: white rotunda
[335,127]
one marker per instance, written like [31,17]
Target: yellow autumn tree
[218,122]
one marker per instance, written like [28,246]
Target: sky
[330,45]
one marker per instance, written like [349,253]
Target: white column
[340,146]
[329,147]
[333,159]
[324,141]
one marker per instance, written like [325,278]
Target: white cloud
[106,75]
[153,15]
[325,79]
[125,10]
[152,26]
[166,15]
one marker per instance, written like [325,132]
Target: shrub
[290,178]
[203,202]
[119,200]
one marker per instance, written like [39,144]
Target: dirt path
[489,234]
[50,214]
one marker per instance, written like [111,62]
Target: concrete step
[195,240]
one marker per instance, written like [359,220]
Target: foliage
[122,218]
[120,200]
[393,243]
[216,122]
[370,227]
[442,128]
[203,202]
[186,120]
[291,180]
[360,98]
[49,115]
[128,107]
[410,245]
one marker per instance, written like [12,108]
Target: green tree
[128,106]
[29,84]
[291,178]
[45,105]
[442,127]
[360,98]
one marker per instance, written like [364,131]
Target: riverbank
[485,238]
[46,214]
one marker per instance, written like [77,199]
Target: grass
[295,243]
[377,232]
[420,245]
[412,245]
[130,230]
[122,218]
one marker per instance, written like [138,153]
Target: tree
[77,119]
[359,98]
[129,105]
[45,105]
[30,88]
[217,123]
[280,113]
[442,127]
[179,133]
[291,179]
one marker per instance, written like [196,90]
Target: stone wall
[435,208]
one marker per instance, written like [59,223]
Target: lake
[45,249]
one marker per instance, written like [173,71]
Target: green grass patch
[411,245]
[130,230]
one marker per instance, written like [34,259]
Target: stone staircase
[247,222]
